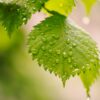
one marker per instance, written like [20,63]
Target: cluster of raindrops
[35,5]
[16,16]
[66,53]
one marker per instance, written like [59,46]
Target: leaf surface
[89,77]
[12,16]
[63,7]
[62,47]
[88,4]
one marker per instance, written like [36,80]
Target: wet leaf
[62,48]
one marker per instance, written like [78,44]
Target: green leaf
[62,47]
[89,77]
[61,6]
[35,5]
[88,5]
[12,16]
[32,5]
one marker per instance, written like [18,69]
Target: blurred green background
[22,79]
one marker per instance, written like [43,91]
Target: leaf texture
[88,4]
[12,16]
[89,77]
[62,47]
[63,7]
[32,5]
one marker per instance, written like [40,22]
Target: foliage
[14,15]
[16,83]
[61,6]
[88,4]
[57,44]
[75,53]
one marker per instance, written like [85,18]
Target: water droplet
[69,60]
[34,8]
[86,20]
[75,65]
[70,48]
[71,66]
[40,61]
[43,48]
[57,61]
[58,52]
[68,41]
[33,1]
[50,50]
[24,19]
[44,39]
[70,53]
[87,65]
[51,43]
[18,9]
[88,98]
[92,60]
[83,67]
[74,45]
[64,54]
[53,65]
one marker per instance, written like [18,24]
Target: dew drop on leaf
[57,61]
[74,45]
[70,53]
[69,60]
[58,52]
[68,41]
[50,50]
[88,98]
[86,20]
[64,54]
[44,39]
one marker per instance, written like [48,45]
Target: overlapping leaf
[12,16]
[89,77]
[88,4]
[32,5]
[63,48]
[61,6]
[35,5]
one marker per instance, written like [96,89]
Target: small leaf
[12,16]
[89,77]
[62,47]
[88,5]
[61,6]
